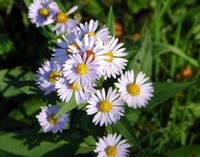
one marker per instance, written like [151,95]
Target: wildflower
[47,76]
[42,12]
[114,63]
[90,29]
[48,122]
[67,45]
[64,24]
[80,69]
[65,91]
[107,108]
[112,146]
[135,92]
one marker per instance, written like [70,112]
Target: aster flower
[42,12]
[48,122]
[107,108]
[67,45]
[65,91]
[47,76]
[80,69]
[112,146]
[135,92]
[114,63]
[88,46]
[64,23]
[90,29]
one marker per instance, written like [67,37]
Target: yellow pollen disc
[52,120]
[73,87]
[90,52]
[133,89]
[92,34]
[44,12]
[111,151]
[105,106]
[74,45]
[110,55]
[61,17]
[53,76]
[81,69]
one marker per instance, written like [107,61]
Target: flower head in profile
[64,24]
[91,29]
[48,122]
[80,69]
[134,90]
[114,62]
[66,90]
[108,108]
[66,46]
[48,75]
[112,146]
[42,12]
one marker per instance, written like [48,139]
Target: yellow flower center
[90,52]
[61,17]
[74,45]
[105,106]
[92,34]
[44,12]
[111,151]
[110,55]
[81,69]
[73,86]
[53,76]
[52,120]
[133,89]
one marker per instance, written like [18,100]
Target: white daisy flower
[48,122]
[47,76]
[107,108]
[88,46]
[64,23]
[80,69]
[67,45]
[90,29]
[42,12]
[112,146]
[135,92]
[65,91]
[115,63]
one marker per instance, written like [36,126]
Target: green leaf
[143,58]
[123,127]
[186,151]
[30,143]
[27,86]
[90,140]
[6,45]
[162,48]
[84,149]
[164,91]
[66,106]
[110,22]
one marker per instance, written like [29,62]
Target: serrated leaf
[110,22]
[164,91]
[123,127]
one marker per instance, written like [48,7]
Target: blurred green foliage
[162,39]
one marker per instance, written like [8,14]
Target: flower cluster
[45,12]
[83,55]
